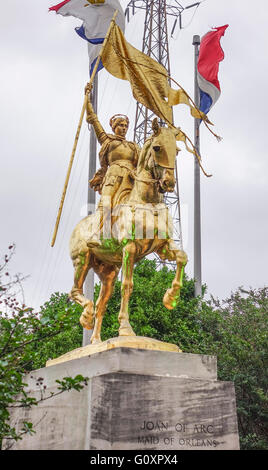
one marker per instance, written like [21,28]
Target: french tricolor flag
[210,55]
[96,16]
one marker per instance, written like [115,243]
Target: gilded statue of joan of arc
[118,158]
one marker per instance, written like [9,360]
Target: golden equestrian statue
[132,219]
[137,222]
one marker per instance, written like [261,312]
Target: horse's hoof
[126,331]
[170,301]
[87,317]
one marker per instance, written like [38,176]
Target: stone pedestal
[135,399]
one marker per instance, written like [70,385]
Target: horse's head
[163,153]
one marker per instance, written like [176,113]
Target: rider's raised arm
[92,118]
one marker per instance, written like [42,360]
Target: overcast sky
[44,71]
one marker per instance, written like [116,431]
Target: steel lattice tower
[155,44]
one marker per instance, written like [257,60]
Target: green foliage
[22,335]
[241,349]
[149,317]
[69,383]
[61,311]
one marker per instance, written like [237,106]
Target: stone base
[135,399]
[137,342]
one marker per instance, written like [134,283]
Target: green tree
[21,333]
[241,349]
[69,335]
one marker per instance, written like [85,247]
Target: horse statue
[141,225]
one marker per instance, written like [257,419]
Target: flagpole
[197,205]
[91,202]
[78,132]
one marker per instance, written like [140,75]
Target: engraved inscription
[179,434]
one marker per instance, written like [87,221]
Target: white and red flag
[210,55]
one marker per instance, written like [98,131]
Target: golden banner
[149,80]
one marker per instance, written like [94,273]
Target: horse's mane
[144,154]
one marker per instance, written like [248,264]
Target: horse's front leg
[172,295]
[129,252]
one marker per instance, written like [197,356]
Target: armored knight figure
[118,159]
